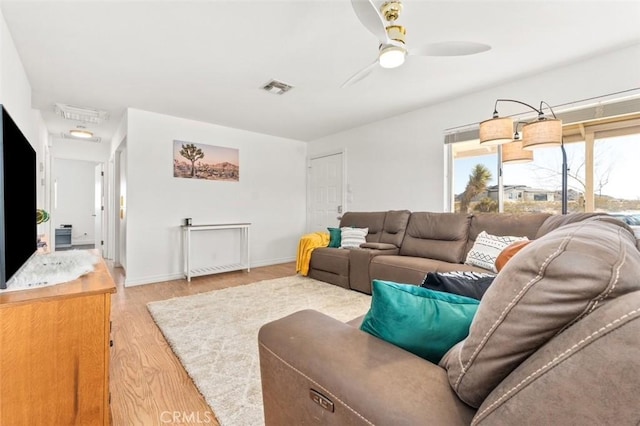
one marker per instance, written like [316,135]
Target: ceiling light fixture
[392,56]
[542,132]
[81,132]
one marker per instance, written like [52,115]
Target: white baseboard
[82,241]
[180,276]
[270,262]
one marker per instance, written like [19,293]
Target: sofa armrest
[379,246]
[359,260]
[363,379]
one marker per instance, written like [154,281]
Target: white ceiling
[206,60]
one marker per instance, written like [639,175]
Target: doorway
[77,189]
[326,191]
[118,218]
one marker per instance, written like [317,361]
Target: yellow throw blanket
[307,243]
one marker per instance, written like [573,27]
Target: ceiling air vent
[91,139]
[277,87]
[85,115]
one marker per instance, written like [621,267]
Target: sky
[212,154]
[617,167]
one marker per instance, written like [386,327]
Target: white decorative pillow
[353,237]
[486,249]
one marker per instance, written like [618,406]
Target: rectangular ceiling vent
[84,115]
[95,139]
[277,87]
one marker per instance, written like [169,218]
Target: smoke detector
[82,114]
[277,87]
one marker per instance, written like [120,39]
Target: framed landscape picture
[200,161]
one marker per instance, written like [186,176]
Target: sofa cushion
[551,284]
[487,248]
[335,237]
[587,375]
[558,220]
[330,259]
[411,270]
[439,236]
[522,225]
[353,237]
[462,283]
[373,221]
[424,322]
[395,226]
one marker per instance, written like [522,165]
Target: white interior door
[98,213]
[325,192]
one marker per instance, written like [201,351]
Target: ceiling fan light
[392,56]
[496,131]
[80,133]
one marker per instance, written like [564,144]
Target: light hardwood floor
[148,384]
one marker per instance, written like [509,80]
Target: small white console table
[244,249]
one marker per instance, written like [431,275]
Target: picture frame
[209,162]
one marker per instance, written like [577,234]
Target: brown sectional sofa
[349,268]
[554,340]
[403,246]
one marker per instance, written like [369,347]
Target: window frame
[588,124]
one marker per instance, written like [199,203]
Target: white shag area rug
[215,336]
[45,269]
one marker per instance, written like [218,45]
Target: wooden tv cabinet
[54,352]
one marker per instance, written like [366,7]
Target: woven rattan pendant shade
[547,132]
[496,131]
[513,153]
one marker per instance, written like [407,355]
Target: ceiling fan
[393,50]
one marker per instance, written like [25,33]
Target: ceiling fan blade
[368,14]
[450,48]
[360,74]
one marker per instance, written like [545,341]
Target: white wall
[72,149]
[15,95]
[15,90]
[399,162]
[271,194]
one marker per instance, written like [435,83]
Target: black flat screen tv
[18,228]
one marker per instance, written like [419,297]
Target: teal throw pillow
[424,322]
[335,237]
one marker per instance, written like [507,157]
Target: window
[616,177]
[602,159]
[539,182]
[475,177]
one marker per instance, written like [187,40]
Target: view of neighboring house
[514,193]
[520,193]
